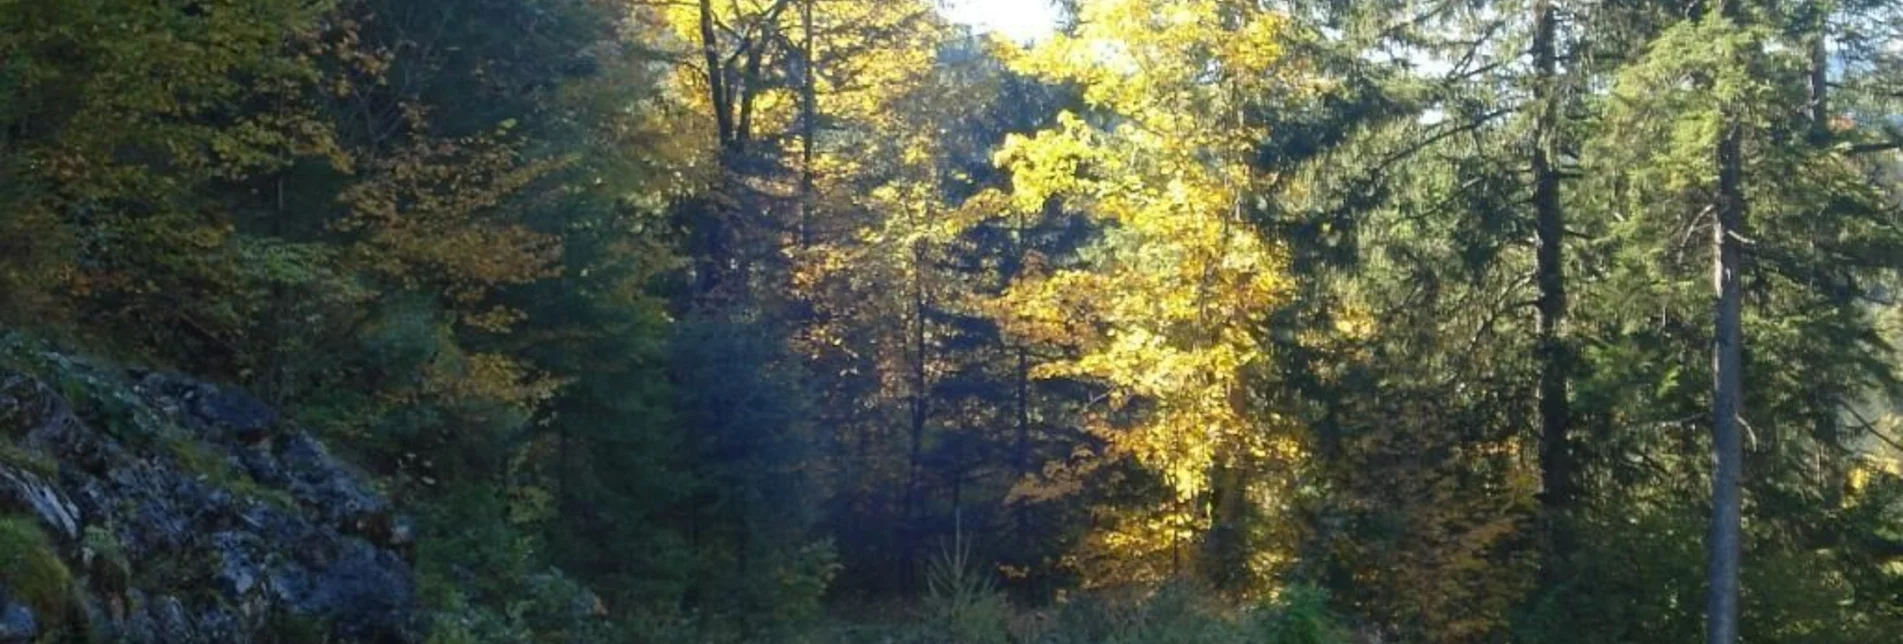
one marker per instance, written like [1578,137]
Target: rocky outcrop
[191,512]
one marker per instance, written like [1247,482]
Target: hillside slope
[152,507]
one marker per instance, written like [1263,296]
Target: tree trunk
[716,75]
[749,90]
[1725,543]
[708,243]
[1829,431]
[1021,449]
[1224,563]
[919,410]
[1556,464]
[1819,98]
[809,118]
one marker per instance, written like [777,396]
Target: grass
[963,605]
[1172,615]
[198,458]
[13,456]
[32,570]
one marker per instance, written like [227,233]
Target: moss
[280,499]
[20,459]
[31,569]
[197,458]
[96,391]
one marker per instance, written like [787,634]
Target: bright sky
[1018,19]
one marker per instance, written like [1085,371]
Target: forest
[1186,321]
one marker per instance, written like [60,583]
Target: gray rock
[219,413]
[217,625]
[30,492]
[208,563]
[173,625]
[325,484]
[263,467]
[247,419]
[17,623]
[238,569]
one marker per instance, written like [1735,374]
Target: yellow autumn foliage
[1163,309]
[429,215]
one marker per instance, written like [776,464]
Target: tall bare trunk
[749,91]
[1556,463]
[809,121]
[1021,447]
[1725,543]
[920,407]
[918,382]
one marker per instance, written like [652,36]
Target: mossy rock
[208,462]
[14,456]
[31,569]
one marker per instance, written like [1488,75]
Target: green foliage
[751,500]
[1175,613]
[31,569]
[1301,616]
[547,607]
[962,602]
[105,558]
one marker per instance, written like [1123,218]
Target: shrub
[962,603]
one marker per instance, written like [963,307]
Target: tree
[1160,309]
[1726,542]
[1556,467]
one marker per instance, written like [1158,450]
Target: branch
[1895,142]
[1867,148]
[1449,132]
[1871,428]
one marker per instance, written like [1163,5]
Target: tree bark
[716,74]
[918,382]
[749,90]
[1021,448]
[919,407]
[809,119]
[1725,543]
[1556,464]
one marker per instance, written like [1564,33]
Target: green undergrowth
[963,605]
[1171,615]
[31,570]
